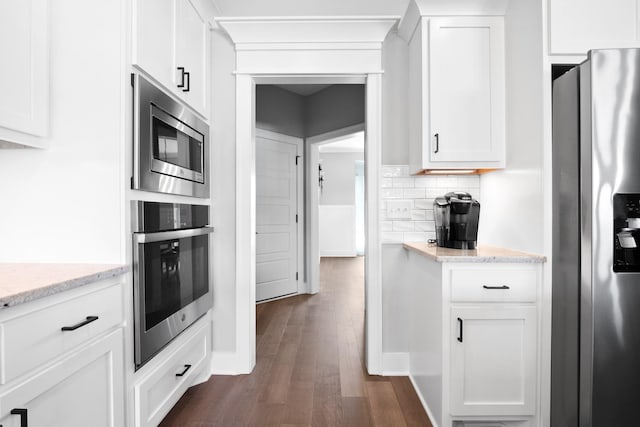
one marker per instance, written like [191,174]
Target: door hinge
[296,218]
[297,158]
[296,275]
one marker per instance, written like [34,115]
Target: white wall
[65,203]
[223,212]
[512,201]
[339,185]
[395,90]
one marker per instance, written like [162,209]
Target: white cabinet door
[493,360]
[576,26]
[191,54]
[154,34]
[84,389]
[466,86]
[24,74]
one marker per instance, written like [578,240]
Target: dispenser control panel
[626,232]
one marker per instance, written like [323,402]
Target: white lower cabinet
[493,360]
[62,359]
[84,389]
[474,342]
[160,385]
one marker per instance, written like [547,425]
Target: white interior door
[277,157]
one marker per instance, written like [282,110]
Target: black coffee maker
[456,215]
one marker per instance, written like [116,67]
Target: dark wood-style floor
[309,368]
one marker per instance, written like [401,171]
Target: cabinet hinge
[296,218]
[296,275]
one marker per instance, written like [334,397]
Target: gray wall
[339,178]
[279,110]
[336,107]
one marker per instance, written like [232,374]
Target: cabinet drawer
[37,337]
[493,285]
[161,389]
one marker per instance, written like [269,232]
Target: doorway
[245,208]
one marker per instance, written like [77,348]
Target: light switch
[399,209]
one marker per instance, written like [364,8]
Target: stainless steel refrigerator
[595,352]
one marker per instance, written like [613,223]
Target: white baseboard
[338,253]
[424,403]
[395,364]
[226,363]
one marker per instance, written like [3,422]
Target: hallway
[309,368]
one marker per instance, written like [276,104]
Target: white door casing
[336,50]
[278,165]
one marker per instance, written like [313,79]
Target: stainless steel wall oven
[171,272]
[171,144]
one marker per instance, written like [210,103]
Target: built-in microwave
[170,144]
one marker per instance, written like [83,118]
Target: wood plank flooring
[310,367]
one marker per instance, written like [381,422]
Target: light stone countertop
[483,254]
[23,282]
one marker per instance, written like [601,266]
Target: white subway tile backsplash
[432,193]
[423,203]
[424,181]
[391,171]
[415,237]
[447,181]
[413,193]
[406,208]
[392,193]
[418,214]
[403,182]
[424,226]
[403,226]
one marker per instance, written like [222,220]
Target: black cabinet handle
[181,69]
[23,416]
[461,325]
[495,287]
[437,137]
[186,368]
[81,324]
[188,80]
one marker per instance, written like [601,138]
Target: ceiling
[304,90]
[236,8]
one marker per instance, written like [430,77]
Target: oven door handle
[170,235]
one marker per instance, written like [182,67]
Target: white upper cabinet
[191,53]
[576,26]
[171,44]
[24,75]
[456,96]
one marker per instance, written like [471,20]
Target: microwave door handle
[170,235]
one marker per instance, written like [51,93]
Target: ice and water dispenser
[626,228]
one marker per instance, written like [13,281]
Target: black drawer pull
[81,324]
[186,368]
[461,324]
[437,137]
[495,287]
[23,416]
